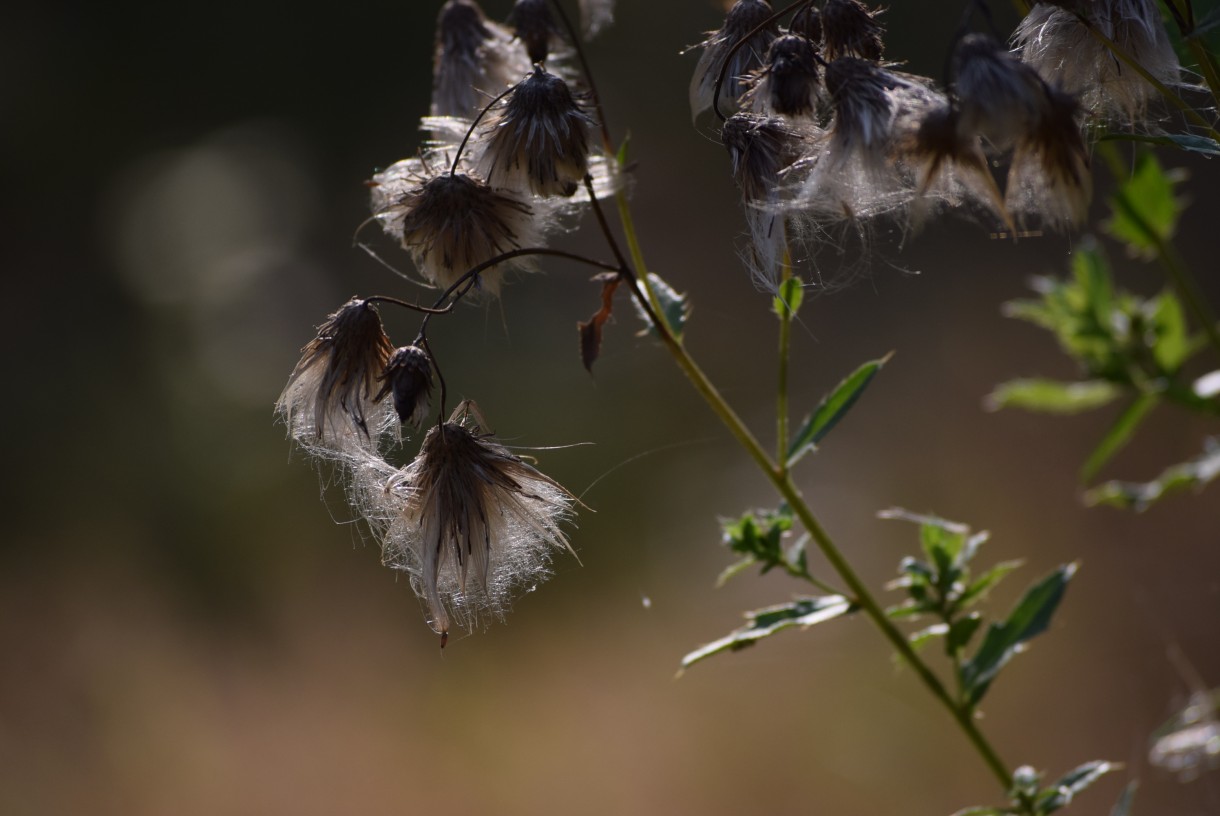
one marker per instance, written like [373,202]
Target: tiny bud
[408,377]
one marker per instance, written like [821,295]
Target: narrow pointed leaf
[1138,496]
[1051,396]
[1065,789]
[833,408]
[763,623]
[1118,435]
[791,296]
[675,307]
[1004,639]
[981,585]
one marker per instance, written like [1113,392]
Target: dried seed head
[743,17]
[1059,46]
[850,29]
[788,84]
[859,91]
[470,522]
[408,377]
[328,403]
[475,58]
[537,139]
[535,27]
[807,23]
[451,223]
[999,96]
[1049,177]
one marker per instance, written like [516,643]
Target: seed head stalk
[785,346]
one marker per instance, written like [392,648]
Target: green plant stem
[860,595]
[1179,276]
[785,346]
[1132,63]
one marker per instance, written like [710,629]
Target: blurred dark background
[186,629]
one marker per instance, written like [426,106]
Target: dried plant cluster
[823,132]
[510,157]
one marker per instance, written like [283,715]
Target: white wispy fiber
[1059,46]
[452,222]
[329,403]
[999,97]
[467,520]
[743,17]
[595,15]
[475,59]
[1049,182]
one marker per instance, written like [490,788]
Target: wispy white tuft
[475,59]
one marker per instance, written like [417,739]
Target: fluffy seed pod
[1049,178]
[535,27]
[743,17]
[475,59]
[408,377]
[999,97]
[850,29]
[788,83]
[537,139]
[807,23]
[470,522]
[328,403]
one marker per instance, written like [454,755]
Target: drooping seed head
[408,378]
[850,29]
[742,19]
[999,97]
[474,59]
[788,83]
[1049,179]
[807,23]
[535,27]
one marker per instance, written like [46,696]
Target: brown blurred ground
[184,628]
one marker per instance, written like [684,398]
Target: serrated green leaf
[790,297]
[675,308]
[1051,396]
[1139,496]
[1125,800]
[1171,345]
[1118,436]
[1004,639]
[961,632]
[763,623]
[833,408]
[1065,789]
[981,585]
[1145,211]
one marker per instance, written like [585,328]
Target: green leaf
[1145,209]
[833,407]
[1125,800]
[1196,474]
[763,623]
[1065,789]
[1118,435]
[623,150]
[1171,345]
[1184,141]
[1030,618]
[961,631]
[920,639]
[986,581]
[675,308]
[733,570]
[1052,397]
[790,297]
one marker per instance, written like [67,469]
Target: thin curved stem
[470,131]
[785,348]
[415,307]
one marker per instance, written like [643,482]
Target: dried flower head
[788,84]
[850,29]
[1049,178]
[475,58]
[408,377]
[470,522]
[537,138]
[452,222]
[807,23]
[1058,44]
[328,403]
[535,27]
[999,97]
[743,18]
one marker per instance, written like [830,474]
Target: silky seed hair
[850,29]
[475,58]
[743,17]
[595,15]
[537,138]
[999,97]
[329,403]
[1049,180]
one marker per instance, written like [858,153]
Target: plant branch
[785,347]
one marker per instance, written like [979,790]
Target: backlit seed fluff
[1060,47]
[470,522]
[328,403]
[453,222]
[788,83]
[475,59]
[408,379]
[1049,180]
[743,17]
[999,97]
[535,27]
[537,139]
[850,29]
